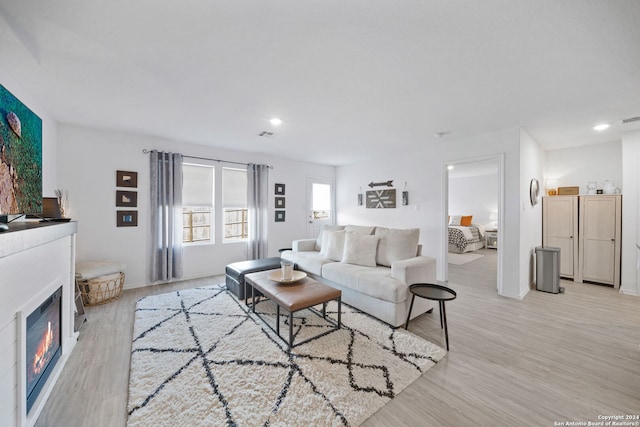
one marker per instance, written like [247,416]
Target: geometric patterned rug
[200,357]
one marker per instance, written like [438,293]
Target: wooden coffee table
[293,297]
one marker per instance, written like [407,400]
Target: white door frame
[445,213]
[332,219]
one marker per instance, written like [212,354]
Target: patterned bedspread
[457,237]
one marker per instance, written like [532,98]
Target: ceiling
[350,78]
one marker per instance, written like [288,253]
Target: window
[321,201]
[234,202]
[197,203]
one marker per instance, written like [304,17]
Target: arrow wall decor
[380,184]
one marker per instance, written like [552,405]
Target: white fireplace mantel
[35,260]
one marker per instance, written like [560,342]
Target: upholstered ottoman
[237,270]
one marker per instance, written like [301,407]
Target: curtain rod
[145,151]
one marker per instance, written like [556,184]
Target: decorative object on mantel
[405,195]
[381,184]
[279,189]
[63,201]
[534,191]
[126,179]
[381,199]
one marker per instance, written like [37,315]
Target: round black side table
[433,292]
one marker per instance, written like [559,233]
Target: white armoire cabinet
[587,229]
[560,229]
[600,239]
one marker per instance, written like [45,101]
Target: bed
[466,238]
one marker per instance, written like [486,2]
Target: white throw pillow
[362,229]
[318,245]
[335,245]
[455,219]
[396,245]
[360,249]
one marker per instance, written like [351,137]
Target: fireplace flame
[42,353]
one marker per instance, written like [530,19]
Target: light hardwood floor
[549,358]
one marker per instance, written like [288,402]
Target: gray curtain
[258,204]
[166,215]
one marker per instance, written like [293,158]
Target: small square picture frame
[279,189]
[280,202]
[127,179]
[127,218]
[280,216]
[127,199]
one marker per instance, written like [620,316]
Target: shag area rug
[461,259]
[201,358]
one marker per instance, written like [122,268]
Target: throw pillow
[465,221]
[362,229]
[318,245]
[360,249]
[396,245]
[455,220]
[335,245]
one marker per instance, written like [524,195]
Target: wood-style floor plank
[546,359]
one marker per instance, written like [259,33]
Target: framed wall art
[381,199]
[280,216]
[128,199]
[280,202]
[126,179]
[279,189]
[127,218]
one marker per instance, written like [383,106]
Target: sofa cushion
[360,249]
[326,228]
[375,282]
[396,245]
[309,261]
[362,229]
[335,245]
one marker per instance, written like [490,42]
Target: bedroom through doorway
[473,203]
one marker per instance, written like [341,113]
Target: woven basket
[101,289]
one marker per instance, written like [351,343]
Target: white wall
[87,163]
[630,274]
[49,133]
[579,165]
[474,195]
[531,166]
[423,170]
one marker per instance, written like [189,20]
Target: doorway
[320,202]
[474,188]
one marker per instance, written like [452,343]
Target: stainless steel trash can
[548,269]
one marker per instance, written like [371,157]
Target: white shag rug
[460,259]
[201,358]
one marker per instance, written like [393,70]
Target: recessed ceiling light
[450,167]
[275,121]
[601,127]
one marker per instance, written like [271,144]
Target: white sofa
[372,266]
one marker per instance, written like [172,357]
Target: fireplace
[43,344]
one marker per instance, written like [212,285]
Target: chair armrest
[421,269]
[304,245]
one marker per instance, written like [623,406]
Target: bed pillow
[455,219]
[335,245]
[396,245]
[465,221]
[360,249]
